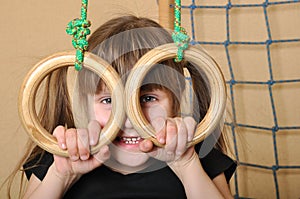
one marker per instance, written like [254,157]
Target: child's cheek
[155,111]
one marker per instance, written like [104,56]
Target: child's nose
[128,124]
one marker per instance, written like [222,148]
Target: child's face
[155,103]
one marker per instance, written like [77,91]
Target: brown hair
[121,42]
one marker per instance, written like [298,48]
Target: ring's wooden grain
[31,84]
[200,59]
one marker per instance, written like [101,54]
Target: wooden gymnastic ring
[34,78]
[203,62]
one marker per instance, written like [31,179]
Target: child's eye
[106,100]
[147,98]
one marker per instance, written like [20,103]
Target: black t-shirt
[103,183]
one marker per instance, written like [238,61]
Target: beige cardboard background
[34,29]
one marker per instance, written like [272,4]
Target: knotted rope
[79,29]
[180,37]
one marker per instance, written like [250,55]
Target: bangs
[88,82]
[124,49]
[168,75]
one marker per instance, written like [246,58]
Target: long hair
[121,42]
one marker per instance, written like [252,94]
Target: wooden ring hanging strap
[201,60]
[33,80]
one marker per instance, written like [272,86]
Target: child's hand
[78,142]
[175,133]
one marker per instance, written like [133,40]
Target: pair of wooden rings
[97,65]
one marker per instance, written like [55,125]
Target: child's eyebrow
[102,88]
[104,92]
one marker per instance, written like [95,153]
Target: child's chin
[132,159]
[128,158]
[135,163]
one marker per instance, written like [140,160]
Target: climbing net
[192,8]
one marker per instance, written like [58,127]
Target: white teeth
[131,140]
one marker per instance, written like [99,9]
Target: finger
[59,134]
[182,135]
[71,141]
[159,127]
[102,155]
[83,144]
[146,146]
[191,127]
[94,130]
[171,139]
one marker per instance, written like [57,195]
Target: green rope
[180,37]
[79,29]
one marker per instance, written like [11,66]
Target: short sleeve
[215,163]
[38,166]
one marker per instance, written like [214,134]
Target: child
[129,167]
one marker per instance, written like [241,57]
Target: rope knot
[79,29]
[181,39]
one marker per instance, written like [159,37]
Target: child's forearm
[53,186]
[196,182]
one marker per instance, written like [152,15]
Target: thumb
[148,147]
[102,155]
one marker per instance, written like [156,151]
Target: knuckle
[59,131]
[190,121]
[71,138]
[171,127]
[94,126]
[71,133]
